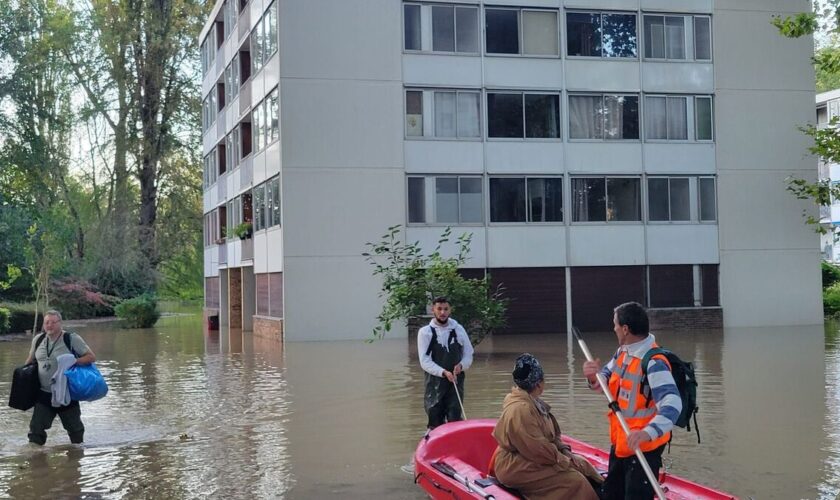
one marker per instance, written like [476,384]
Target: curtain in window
[539,33]
[675,37]
[677,118]
[654,37]
[702,39]
[443,29]
[585,120]
[466,29]
[614,117]
[445,114]
[656,123]
[468,115]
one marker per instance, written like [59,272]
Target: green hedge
[21,316]
[830,274]
[139,312]
[5,316]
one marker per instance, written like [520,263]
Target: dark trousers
[626,479]
[43,415]
[448,409]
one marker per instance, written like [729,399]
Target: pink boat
[452,461]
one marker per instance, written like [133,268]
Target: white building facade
[598,152]
[828,110]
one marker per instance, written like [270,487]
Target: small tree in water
[410,280]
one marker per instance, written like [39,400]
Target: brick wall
[689,318]
[268,328]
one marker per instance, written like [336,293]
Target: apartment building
[828,110]
[597,152]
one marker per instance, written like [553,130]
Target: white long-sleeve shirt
[424,337]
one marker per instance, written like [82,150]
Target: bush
[21,316]
[830,274]
[5,324]
[831,300]
[78,299]
[139,312]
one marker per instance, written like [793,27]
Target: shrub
[5,317]
[139,312]
[78,299]
[21,316]
[830,274]
[831,300]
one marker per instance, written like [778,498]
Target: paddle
[620,416]
[457,393]
[471,486]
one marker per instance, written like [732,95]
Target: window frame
[601,14]
[690,133]
[528,215]
[430,200]
[428,27]
[693,211]
[603,95]
[520,32]
[689,36]
[522,93]
[606,220]
[700,219]
[427,108]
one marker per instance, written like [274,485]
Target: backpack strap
[39,340]
[69,344]
[654,351]
[434,339]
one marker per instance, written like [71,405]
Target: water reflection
[195,414]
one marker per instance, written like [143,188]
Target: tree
[410,280]
[826,60]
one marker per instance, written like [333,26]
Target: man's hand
[591,369]
[457,370]
[449,376]
[636,438]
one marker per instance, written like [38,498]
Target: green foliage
[830,274]
[410,280]
[831,300]
[796,26]
[77,299]
[5,317]
[242,231]
[22,316]
[139,312]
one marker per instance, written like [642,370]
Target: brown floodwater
[192,414]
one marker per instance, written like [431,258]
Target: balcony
[245,97]
[248,249]
[244,22]
[221,189]
[246,172]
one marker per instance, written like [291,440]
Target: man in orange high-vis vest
[650,411]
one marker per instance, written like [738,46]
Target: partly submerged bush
[139,312]
[831,300]
[79,299]
[5,317]
[21,316]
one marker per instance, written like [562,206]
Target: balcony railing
[221,190]
[245,97]
[246,172]
[223,252]
[244,22]
[248,249]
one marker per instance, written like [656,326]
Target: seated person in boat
[531,456]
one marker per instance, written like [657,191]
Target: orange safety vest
[625,386]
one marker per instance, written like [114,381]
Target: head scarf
[527,372]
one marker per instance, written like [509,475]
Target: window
[266,121]
[672,37]
[453,200]
[521,115]
[666,118]
[208,50]
[274,189]
[259,207]
[453,28]
[264,40]
[708,205]
[611,117]
[454,113]
[520,199]
[232,148]
[232,78]
[599,199]
[703,118]
[231,12]
[416,200]
[411,23]
[669,199]
[601,34]
[210,172]
[208,110]
[538,28]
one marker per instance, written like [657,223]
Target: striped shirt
[662,386]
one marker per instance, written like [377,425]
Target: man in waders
[445,353]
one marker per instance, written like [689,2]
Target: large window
[266,198]
[667,118]
[606,199]
[440,28]
[232,78]
[451,113]
[264,39]
[526,199]
[266,120]
[449,200]
[526,32]
[604,116]
[678,37]
[231,12]
[523,115]
[601,34]
[669,199]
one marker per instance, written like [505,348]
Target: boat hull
[466,447]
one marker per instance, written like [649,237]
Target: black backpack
[683,373]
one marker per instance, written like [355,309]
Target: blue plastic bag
[85,383]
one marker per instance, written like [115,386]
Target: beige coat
[531,456]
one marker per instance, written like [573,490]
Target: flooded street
[225,415]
